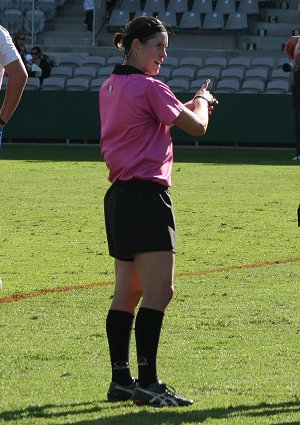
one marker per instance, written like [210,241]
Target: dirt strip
[43,292]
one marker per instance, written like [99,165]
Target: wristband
[202,97]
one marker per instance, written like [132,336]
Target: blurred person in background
[43,64]
[88,6]
[292,50]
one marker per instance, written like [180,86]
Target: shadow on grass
[214,155]
[160,416]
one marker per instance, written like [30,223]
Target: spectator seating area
[240,74]
[185,14]
[19,15]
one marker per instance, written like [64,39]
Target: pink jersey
[135,113]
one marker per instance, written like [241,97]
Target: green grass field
[231,334]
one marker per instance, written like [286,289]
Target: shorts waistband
[140,183]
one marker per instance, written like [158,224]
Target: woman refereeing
[136,113]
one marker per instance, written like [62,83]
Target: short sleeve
[8,51]
[162,102]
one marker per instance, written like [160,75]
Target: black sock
[147,331]
[118,330]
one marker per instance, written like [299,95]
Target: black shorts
[139,218]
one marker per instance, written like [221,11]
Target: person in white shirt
[12,64]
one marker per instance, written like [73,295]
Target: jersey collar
[126,70]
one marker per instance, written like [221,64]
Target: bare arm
[195,116]
[17,76]
[297,53]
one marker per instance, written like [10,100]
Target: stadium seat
[23,5]
[39,21]
[216,62]
[177,6]
[239,62]
[202,6]
[32,83]
[118,18]
[225,6]
[234,73]
[264,62]
[53,83]
[154,6]
[252,86]
[77,84]
[71,61]
[178,85]
[96,83]
[184,73]
[237,21]
[169,19]
[212,74]
[196,84]
[105,71]
[213,21]
[228,85]
[170,62]
[250,7]
[13,20]
[88,72]
[129,5]
[114,60]
[164,74]
[190,20]
[48,7]
[277,86]
[279,74]
[257,74]
[62,72]
[95,61]
[191,61]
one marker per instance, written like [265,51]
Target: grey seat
[250,7]
[114,60]
[190,20]
[170,62]
[277,86]
[77,84]
[186,73]
[13,20]
[32,83]
[178,85]
[62,72]
[279,74]
[96,83]
[225,6]
[95,61]
[202,6]
[263,62]
[252,86]
[154,6]
[234,73]
[118,18]
[178,6]
[38,17]
[228,85]
[130,5]
[196,84]
[54,83]
[237,21]
[88,72]
[257,74]
[71,61]
[239,62]
[48,7]
[213,21]
[168,18]
[192,61]
[216,62]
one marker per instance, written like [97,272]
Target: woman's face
[150,55]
